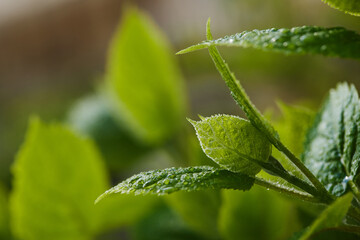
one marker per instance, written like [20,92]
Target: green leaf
[256,214]
[171,180]
[198,209]
[330,217]
[332,148]
[233,142]
[57,176]
[333,42]
[145,80]
[349,6]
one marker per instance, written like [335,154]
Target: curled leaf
[232,142]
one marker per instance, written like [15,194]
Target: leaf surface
[330,217]
[145,80]
[349,6]
[57,176]
[232,142]
[333,42]
[171,180]
[332,148]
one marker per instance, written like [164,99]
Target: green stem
[255,117]
[275,167]
[355,190]
[318,185]
[290,192]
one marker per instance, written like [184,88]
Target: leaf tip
[201,117]
[181,52]
[208,30]
[101,197]
[191,121]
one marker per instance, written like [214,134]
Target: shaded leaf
[256,214]
[332,148]
[57,176]
[349,6]
[151,100]
[232,142]
[93,117]
[181,179]
[124,210]
[330,217]
[164,223]
[198,209]
[333,42]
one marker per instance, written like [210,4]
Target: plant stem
[276,168]
[256,118]
[355,190]
[318,185]
[290,192]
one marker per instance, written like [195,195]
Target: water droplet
[306,38]
[283,30]
[347,179]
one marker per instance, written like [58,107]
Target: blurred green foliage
[256,214]
[141,109]
[145,80]
[92,117]
[199,209]
[57,176]
[331,217]
[164,223]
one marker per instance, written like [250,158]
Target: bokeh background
[53,53]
